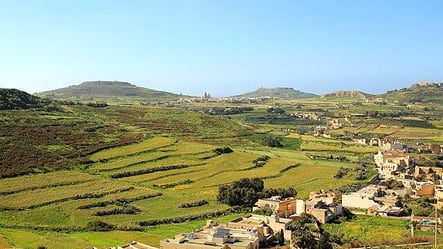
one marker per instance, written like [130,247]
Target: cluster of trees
[223,150]
[228,110]
[194,204]
[246,191]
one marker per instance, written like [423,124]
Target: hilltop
[349,94]
[420,92]
[278,92]
[105,90]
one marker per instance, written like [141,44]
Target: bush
[263,211]
[224,150]
[130,227]
[99,226]
[173,184]
[341,173]
[119,201]
[194,204]
[147,171]
[272,141]
[124,210]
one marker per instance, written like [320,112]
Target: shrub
[124,210]
[99,226]
[272,141]
[224,150]
[341,173]
[194,204]
[147,171]
[263,211]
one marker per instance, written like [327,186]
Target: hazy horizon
[223,47]
[234,94]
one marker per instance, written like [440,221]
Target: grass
[147,145]
[43,180]
[41,196]
[370,229]
[21,238]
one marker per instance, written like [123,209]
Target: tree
[281,237]
[305,231]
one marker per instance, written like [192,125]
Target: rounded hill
[91,90]
[278,92]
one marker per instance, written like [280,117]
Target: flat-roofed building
[214,236]
[281,207]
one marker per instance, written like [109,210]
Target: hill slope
[278,92]
[15,99]
[349,94]
[108,90]
[421,92]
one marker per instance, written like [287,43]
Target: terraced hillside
[135,186]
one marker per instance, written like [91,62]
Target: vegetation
[224,150]
[194,204]
[64,167]
[284,93]
[13,99]
[246,191]
[307,232]
[99,226]
[272,141]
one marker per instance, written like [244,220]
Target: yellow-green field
[181,171]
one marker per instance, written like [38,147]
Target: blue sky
[226,47]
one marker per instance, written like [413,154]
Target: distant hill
[11,99]
[421,92]
[278,92]
[349,94]
[108,90]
